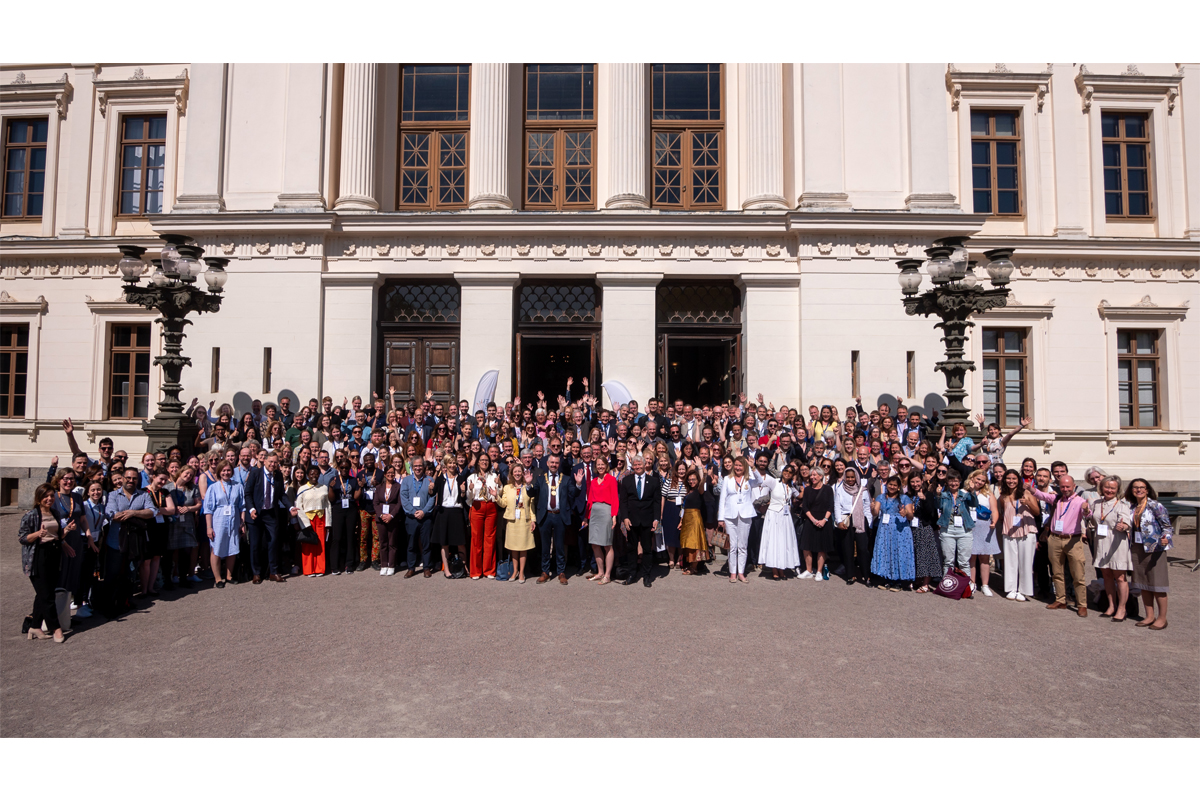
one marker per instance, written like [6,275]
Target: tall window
[434,122]
[129,371]
[687,126]
[143,165]
[14,368]
[996,162]
[24,167]
[560,136]
[1126,141]
[1005,365]
[1137,378]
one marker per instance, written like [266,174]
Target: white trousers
[739,537]
[1018,564]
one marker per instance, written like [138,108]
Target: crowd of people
[516,491]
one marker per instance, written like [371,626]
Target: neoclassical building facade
[689,230]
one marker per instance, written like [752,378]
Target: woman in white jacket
[737,512]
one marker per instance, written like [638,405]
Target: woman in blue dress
[223,507]
[893,558]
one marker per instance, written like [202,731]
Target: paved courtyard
[693,656]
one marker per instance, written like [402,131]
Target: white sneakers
[804,576]
[986,591]
[817,578]
[1022,598]
[384,572]
[1011,596]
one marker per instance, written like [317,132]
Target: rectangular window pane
[979,123]
[981,153]
[991,339]
[1112,155]
[1112,179]
[1123,340]
[1146,341]
[1012,342]
[983,202]
[1108,126]
[134,127]
[143,335]
[1135,155]
[436,92]
[981,177]
[1006,124]
[40,129]
[560,91]
[1006,177]
[1113,204]
[1007,203]
[1139,205]
[1006,153]
[18,131]
[1135,127]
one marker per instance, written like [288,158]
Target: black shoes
[646,581]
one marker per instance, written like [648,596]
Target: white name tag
[1102,529]
[419,501]
[958,522]
[158,517]
[887,518]
[518,514]
[678,501]
[370,494]
[1016,521]
[227,511]
[1058,526]
[345,502]
[385,509]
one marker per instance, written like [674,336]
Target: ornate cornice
[25,91]
[1144,309]
[1001,79]
[137,86]
[10,306]
[1130,83]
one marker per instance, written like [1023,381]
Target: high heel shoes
[36,633]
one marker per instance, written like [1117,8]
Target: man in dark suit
[555,497]
[640,504]
[266,500]
[581,471]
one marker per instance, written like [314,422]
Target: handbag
[718,538]
[307,535]
[504,569]
[983,513]
[955,584]
[456,566]
[761,505]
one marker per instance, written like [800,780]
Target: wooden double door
[414,365]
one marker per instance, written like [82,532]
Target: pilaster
[486,303]
[627,136]
[202,185]
[357,168]
[1070,155]
[771,330]
[488,160]
[628,350]
[929,132]
[304,139]
[824,173]
[763,153]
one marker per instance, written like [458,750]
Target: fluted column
[357,177]
[626,136]
[488,174]
[763,151]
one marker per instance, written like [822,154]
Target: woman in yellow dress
[693,542]
[517,502]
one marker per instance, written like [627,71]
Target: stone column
[763,149]
[821,144]
[202,187]
[929,130]
[1070,154]
[357,181]
[304,138]
[626,143]
[771,336]
[486,308]
[628,342]
[488,164]
[1189,105]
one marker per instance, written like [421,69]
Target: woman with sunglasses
[1152,534]
[927,556]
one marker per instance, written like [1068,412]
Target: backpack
[956,585]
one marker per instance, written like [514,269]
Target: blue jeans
[956,548]
[419,531]
[551,530]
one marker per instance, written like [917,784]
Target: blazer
[388,494]
[646,510]
[566,496]
[439,486]
[256,490]
[410,488]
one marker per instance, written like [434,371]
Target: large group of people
[530,490]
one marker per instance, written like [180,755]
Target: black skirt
[671,517]
[819,540]
[156,539]
[449,527]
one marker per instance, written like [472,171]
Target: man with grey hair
[640,509]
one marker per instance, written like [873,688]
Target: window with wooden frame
[1138,378]
[143,164]
[24,167]
[560,136]
[1005,367]
[434,132]
[14,369]
[687,126]
[996,163]
[129,371]
[1125,140]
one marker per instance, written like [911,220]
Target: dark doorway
[698,370]
[419,332]
[546,362]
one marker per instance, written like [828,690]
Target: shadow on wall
[241,401]
[933,402]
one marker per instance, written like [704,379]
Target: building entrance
[699,342]
[558,337]
[419,328]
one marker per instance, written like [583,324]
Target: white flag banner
[617,393]
[485,392]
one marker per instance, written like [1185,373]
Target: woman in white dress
[778,549]
[1113,517]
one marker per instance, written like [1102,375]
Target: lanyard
[224,491]
[1061,510]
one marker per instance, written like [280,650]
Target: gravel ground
[693,656]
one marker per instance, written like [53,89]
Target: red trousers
[312,556]
[483,539]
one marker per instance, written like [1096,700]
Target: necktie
[553,492]
[267,486]
[639,482]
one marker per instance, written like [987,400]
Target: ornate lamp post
[173,293]
[955,296]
